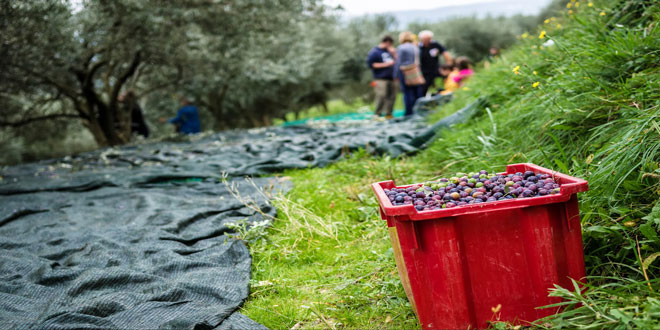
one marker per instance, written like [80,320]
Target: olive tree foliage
[246,76]
[61,64]
[73,60]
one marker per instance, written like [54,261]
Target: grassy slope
[594,114]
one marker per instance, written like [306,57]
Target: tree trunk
[215,107]
[255,121]
[266,120]
[97,133]
[124,120]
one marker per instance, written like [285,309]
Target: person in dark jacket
[381,62]
[138,124]
[430,52]
[187,118]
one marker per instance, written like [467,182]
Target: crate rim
[568,186]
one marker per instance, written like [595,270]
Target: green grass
[336,107]
[341,276]
[595,114]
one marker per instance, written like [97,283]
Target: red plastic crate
[457,265]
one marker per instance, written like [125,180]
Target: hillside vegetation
[586,103]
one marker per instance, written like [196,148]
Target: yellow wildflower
[569,5]
[534,73]
[466,88]
[536,84]
[546,21]
[516,69]
[542,35]
[577,4]
[570,12]
[524,35]
[590,4]
[602,13]
[558,26]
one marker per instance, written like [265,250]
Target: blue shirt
[187,120]
[380,55]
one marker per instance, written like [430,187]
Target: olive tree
[66,61]
[65,64]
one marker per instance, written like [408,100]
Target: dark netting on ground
[244,152]
[140,236]
[152,255]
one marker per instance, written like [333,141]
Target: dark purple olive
[482,187]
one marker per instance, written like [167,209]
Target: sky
[360,7]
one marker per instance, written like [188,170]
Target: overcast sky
[359,7]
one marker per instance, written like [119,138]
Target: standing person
[187,118]
[381,62]
[138,124]
[431,51]
[408,58]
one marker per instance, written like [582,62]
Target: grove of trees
[244,62]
